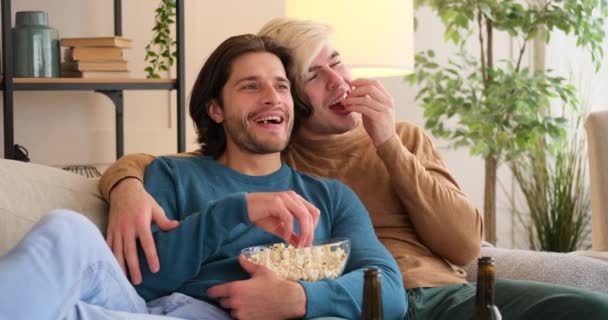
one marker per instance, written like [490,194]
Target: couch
[28,191]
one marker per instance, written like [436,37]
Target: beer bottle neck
[485,285]
[372,296]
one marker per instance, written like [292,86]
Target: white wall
[572,62]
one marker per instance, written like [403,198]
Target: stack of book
[95,57]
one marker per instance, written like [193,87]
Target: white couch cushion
[28,191]
[552,267]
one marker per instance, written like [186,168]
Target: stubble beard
[244,138]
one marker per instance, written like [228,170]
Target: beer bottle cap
[486,260]
[372,272]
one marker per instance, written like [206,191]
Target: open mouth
[276,120]
[337,105]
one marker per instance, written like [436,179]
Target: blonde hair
[305,39]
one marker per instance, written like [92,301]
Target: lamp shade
[375,38]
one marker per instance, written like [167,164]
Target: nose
[271,96]
[334,79]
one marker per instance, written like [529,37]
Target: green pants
[515,299]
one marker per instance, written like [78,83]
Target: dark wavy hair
[212,78]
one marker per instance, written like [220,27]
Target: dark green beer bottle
[485,309]
[372,295]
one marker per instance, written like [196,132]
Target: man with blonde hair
[348,132]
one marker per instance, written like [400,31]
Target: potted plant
[160,51]
[499,109]
[556,193]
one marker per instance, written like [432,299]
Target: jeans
[63,269]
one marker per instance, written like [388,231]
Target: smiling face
[257,110]
[327,84]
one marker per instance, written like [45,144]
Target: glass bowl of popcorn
[325,259]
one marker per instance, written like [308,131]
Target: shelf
[49,84]
[111,87]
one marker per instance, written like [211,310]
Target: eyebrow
[333,55]
[255,78]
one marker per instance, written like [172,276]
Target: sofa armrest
[557,268]
[28,191]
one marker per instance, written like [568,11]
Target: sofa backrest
[596,126]
[28,191]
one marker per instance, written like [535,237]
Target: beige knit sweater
[417,209]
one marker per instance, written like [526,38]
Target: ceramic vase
[36,52]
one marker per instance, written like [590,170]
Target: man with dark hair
[239,194]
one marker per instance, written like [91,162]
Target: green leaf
[158,50]
[431,65]
[461,21]
[487,11]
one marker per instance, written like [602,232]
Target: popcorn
[308,263]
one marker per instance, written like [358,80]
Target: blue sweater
[209,200]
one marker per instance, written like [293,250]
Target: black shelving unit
[113,88]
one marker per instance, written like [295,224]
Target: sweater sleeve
[446,221]
[182,250]
[129,166]
[342,297]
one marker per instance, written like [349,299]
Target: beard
[246,139]
[324,124]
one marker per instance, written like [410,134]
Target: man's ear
[215,112]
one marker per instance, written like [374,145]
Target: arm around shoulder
[132,165]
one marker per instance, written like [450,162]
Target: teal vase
[36,51]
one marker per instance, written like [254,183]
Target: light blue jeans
[63,269]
